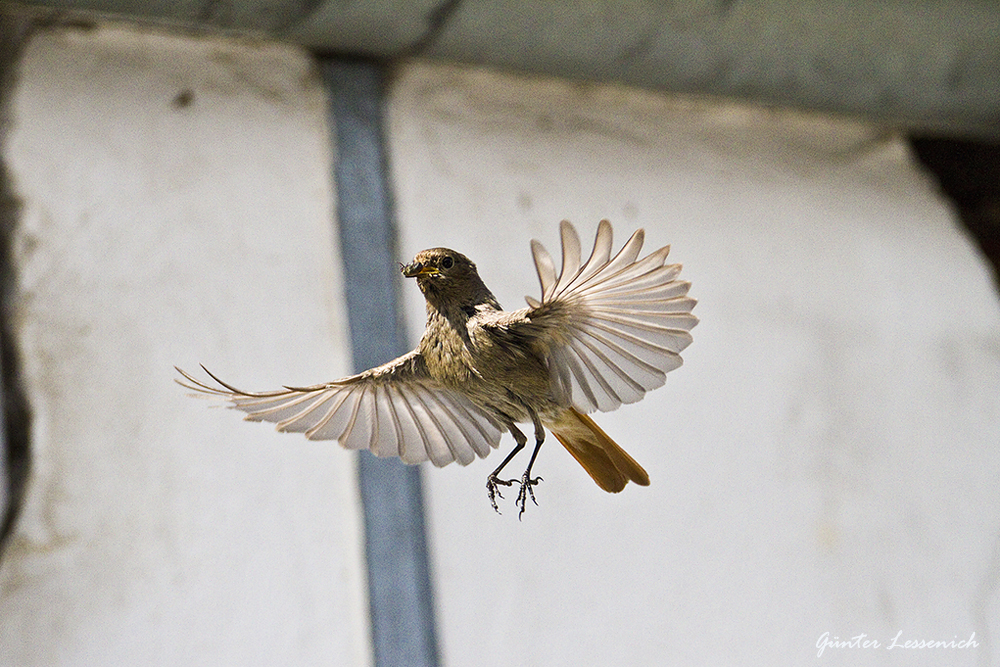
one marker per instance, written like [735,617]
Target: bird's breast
[494,369]
[446,354]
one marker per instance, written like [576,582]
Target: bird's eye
[447,262]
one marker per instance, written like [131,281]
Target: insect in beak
[417,269]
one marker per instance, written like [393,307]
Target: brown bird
[604,333]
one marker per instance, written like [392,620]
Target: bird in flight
[604,332]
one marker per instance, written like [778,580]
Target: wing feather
[619,322]
[358,434]
[571,256]
[434,439]
[600,255]
[393,410]
[406,432]
[545,267]
[467,433]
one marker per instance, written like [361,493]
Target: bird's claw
[492,484]
[525,492]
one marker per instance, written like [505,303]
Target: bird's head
[447,278]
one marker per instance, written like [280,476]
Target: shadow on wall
[968,173]
[15,418]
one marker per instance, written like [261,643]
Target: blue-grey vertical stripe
[399,583]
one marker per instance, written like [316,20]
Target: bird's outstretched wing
[615,325]
[393,410]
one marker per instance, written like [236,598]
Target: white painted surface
[826,459]
[157,531]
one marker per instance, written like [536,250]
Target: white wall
[157,531]
[825,460]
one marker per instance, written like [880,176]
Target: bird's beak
[417,269]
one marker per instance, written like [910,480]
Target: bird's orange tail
[610,466]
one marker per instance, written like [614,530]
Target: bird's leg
[492,481]
[526,481]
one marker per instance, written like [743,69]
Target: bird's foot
[492,487]
[526,492]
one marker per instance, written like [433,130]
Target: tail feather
[610,466]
